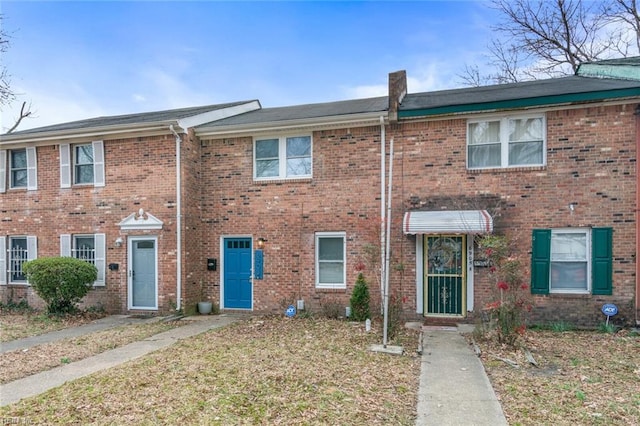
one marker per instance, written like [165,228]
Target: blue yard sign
[291,311]
[609,309]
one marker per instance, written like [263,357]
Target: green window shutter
[540,260]
[602,261]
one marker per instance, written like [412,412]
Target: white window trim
[587,233]
[282,157]
[99,241]
[32,253]
[318,236]
[67,165]
[32,170]
[504,140]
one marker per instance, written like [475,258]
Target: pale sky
[80,59]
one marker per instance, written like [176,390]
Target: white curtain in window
[484,144]
[525,141]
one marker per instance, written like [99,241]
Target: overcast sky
[74,60]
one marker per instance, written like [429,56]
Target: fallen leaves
[581,377]
[270,370]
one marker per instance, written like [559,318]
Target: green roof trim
[521,103]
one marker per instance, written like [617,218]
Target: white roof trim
[448,222]
[140,220]
[218,114]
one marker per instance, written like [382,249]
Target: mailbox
[212,264]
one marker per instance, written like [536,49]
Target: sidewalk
[41,382]
[454,388]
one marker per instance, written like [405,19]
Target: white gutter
[178,221]
[382,205]
[96,133]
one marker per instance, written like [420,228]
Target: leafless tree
[541,38]
[7,94]
[625,14]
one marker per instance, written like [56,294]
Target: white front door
[143,273]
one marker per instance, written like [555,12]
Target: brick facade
[590,162]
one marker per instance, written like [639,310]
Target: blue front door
[237,273]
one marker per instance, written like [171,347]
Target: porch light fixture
[261,242]
[119,242]
[572,207]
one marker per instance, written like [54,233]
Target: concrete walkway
[41,382]
[454,388]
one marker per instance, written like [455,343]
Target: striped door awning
[448,222]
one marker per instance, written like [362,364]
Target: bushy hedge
[60,281]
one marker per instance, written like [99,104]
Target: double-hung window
[331,260]
[90,248]
[18,167]
[15,251]
[282,158]
[517,141]
[82,164]
[572,260]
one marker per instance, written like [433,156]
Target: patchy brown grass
[22,363]
[262,371]
[582,377]
[26,323]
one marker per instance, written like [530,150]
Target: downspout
[383,178]
[637,295]
[387,250]
[178,221]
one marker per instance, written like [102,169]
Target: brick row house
[258,208]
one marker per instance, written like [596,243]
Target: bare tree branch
[539,38]
[25,111]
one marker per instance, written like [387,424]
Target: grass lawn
[315,371]
[262,371]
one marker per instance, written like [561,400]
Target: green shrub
[60,281]
[360,299]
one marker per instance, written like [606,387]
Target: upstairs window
[18,168]
[282,158]
[82,164]
[506,142]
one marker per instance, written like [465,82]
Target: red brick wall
[140,173]
[591,161]
[342,196]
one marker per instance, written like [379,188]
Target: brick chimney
[397,91]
